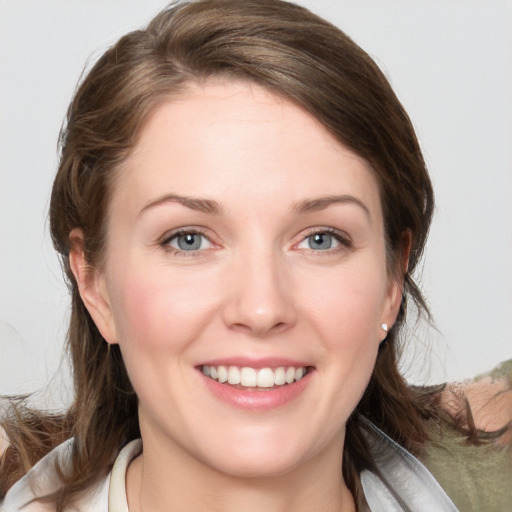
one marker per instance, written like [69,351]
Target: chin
[258,467]
[267,457]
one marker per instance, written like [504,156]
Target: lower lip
[255,400]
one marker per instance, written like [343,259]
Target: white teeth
[251,377]
[233,375]
[222,372]
[279,376]
[248,377]
[265,378]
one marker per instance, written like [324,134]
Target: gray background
[450,62]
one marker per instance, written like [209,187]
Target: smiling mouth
[259,379]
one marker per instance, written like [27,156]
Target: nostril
[280,326]
[259,329]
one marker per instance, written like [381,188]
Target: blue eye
[321,241]
[324,241]
[188,241]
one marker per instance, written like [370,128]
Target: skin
[490,401]
[256,288]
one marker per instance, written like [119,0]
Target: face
[245,281]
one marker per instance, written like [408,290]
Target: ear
[92,287]
[396,280]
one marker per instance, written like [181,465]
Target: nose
[260,296]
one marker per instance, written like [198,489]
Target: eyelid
[166,239]
[341,236]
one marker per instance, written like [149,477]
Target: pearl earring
[384,327]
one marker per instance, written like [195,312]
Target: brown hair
[301,57]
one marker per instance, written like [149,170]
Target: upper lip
[264,362]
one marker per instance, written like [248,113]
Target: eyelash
[344,240]
[340,236]
[169,237]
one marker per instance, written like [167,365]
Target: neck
[180,483]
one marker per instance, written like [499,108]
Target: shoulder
[4,441]
[483,404]
[43,479]
[470,450]
[398,478]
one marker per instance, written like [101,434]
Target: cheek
[346,315]
[158,308]
[158,318]
[349,304]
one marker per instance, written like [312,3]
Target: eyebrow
[213,207]
[194,203]
[320,203]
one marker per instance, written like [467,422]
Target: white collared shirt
[402,482]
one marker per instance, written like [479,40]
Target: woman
[240,204]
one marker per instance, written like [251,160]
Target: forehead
[224,137]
